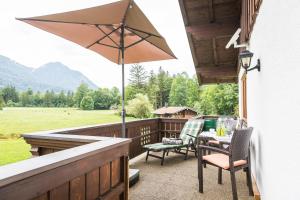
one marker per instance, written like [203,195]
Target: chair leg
[200,171]
[233,185]
[163,158]
[249,181]
[147,155]
[186,153]
[167,152]
[220,176]
[247,177]
[204,153]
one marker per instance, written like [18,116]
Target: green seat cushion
[161,146]
[210,123]
[191,127]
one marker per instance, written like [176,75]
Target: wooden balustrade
[98,170]
[141,132]
[82,163]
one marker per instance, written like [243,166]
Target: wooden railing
[82,163]
[141,132]
[93,171]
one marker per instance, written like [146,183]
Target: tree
[116,96]
[193,91]
[138,78]
[70,99]
[153,89]
[26,98]
[49,99]
[179,88]
[81,91]
[37,99]
[102,99]
[1,102]
[164,82]
[139,107]
[61,100]
[10,93]
[130,92]
[218,99]
[87,103]
[226,99]
[206,104]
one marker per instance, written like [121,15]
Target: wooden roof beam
[212,30]
[211,10]
[217,72]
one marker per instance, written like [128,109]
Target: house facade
[269,98]
[175,112]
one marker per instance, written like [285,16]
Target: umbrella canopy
[118,31]
[99,29]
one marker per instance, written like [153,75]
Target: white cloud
[34,47]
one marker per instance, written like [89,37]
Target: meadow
[15,121]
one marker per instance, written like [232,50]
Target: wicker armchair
[236,158]
[240,123]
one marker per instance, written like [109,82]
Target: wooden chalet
[175,112]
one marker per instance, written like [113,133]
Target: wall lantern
[245,59]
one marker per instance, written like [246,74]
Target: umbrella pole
[123,84]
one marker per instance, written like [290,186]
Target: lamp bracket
[255,67]
[235,45]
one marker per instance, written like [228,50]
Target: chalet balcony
[92,163]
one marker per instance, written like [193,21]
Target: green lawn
[13,150]
[15,121]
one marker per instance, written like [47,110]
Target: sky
[34,47]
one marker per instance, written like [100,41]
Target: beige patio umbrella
[118,31]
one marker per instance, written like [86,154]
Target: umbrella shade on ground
[119,31]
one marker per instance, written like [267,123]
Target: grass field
[15,121]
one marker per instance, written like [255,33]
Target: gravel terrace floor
[177,179]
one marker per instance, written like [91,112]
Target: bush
[139,107]
[1,103]
[10,103]
[87,103]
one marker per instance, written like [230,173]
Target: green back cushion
[191,127]
[209,123]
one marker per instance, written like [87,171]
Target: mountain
[52,76]
[59,75]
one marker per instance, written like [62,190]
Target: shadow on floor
[177,180]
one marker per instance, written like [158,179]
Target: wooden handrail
[41,176]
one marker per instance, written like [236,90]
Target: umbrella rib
[143,32]
[161,49]
[108,35]
[142,39]
[108,45]
[46,20]
[101,38]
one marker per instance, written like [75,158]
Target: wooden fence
[141,132]
[93,171]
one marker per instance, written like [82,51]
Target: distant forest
[145,89]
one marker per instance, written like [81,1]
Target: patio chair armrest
[224,142]
[191,136]
[215,149]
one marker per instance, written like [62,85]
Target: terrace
[90,162]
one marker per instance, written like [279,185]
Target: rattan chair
[236,158]
[240,123]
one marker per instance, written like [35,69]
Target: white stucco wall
[274,100]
